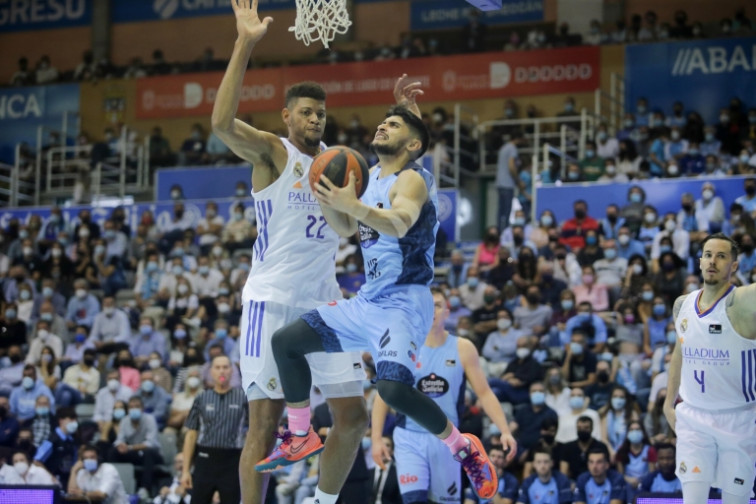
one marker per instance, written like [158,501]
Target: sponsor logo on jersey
[451,362]
[433,385]
[406,479]
[684,325]
[298,170]
[452,489]
[683,468]
[739,481]
[696,470]
[388,353]
[411,355]
[368,235]
[707,356]
[385,339]
[715,329]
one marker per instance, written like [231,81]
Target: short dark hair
[136,398]
[90,351]
[88,447]
[585,419]
[65,413]
[307,89]
[598,449]
[415,124]
[439,291]
[542,448]
[721,236]
[665,446]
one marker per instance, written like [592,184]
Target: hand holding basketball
[344,199]
[248,23]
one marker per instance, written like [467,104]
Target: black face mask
[3,411]
[179,213]
[534,298]
[750,190]
[548,438]
[611,218]
[15,358]
[584,435]
[518,240]
[747,248]
[687,207]
[602,376]
[89,362]
[579,213]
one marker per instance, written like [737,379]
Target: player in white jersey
[293,267]
[446,364]
[713,368]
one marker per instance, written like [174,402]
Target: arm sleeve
[109,483]
[510,487]
[124,332]
[122,427]
[44,452]
[151,439]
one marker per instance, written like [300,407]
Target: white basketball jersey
[293,260]
[718,365]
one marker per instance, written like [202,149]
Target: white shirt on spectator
[472,298]
[207,286]
[11,376]
[608,149]
[75,351]
[106,480]
[105,402]
[659,383]
[567,430]
[210,238]
[114,328]
[610,273]
[76,377]
[117,246]
[185,222]
[34,476]
[680,243]
[37,345]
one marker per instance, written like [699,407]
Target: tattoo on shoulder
[678,305]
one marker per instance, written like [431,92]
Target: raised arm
[377,422]
[471,364]
[674,372]
[405,93]
[261,148]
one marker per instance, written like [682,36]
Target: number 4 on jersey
[699,379]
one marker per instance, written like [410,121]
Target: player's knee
[393,392]
[294,340]
[353,418]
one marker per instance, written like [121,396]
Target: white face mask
[21,468]
[154,363]
[522,352]
[113,385]
[192,382]
[504,324]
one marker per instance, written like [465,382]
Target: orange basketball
[336,162]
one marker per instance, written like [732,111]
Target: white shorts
[717,447]
[336,375]
[426,469]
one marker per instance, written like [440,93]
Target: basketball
[335,163]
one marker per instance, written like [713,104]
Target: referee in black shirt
[215,422]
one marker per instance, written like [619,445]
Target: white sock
[695,492]
[323,498]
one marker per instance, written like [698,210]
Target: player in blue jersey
[397,219]
[600,485]
[545,485]
[713,368]
[663,480]
[446,363]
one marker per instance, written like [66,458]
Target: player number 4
[311,231]
[699,379]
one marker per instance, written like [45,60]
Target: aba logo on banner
[715,60]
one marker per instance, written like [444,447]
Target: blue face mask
[90,465]
[204,270]
[567,304]
[148,386]
[10,314]
[178,270]
[135,414]
[47,292]
[179,334]
[118,413]
[660,310]
[80,338]
[47,317]
[472,282]
[589,153]
[577,348]
[151,267]
[635,436]
[636,197]
[577,402]
[145,330]
[647,295]
[455,302]
[537,398]
[547,221]
[42,411]
[610,253]
[366,443]
[591,240]
[618,403]
[221,333]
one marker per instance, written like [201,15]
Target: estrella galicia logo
[452,490]
[433,385]
[385,339]
[368,236]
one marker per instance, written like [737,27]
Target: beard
[384,149]
[312,142]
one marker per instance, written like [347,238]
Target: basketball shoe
[479,468]
[292,450]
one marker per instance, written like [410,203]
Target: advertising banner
[23,15]
[128,11]
[452,78]
[444,14]
[704,74]
[201,182]
[23,110]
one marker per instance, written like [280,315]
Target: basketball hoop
[320,20]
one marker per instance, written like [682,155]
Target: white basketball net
[320,20]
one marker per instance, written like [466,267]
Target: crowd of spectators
[473,37]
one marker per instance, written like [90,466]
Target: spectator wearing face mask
[574,230]
[49,294]
[106,398]
[746,260]
[592,165]
[76,348]
[44,339]
[182,401]
[711,206]
[190,360]
[58,452]
[23,399]
[146,341]
[472,291]
[577,407]
[11,376]
[533,316]
[206,280]
[111,329]
[84,376]
[239,233]
[95,481]
[500,346]
[210,228]
[155,398]
[26,473]
[748,200]
[83,307]
[528,419]
[679,237]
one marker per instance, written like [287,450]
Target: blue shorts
[392,327]
[426,469]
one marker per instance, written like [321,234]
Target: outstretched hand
[248,23]
[380,453]
[405,92]
[510,446]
